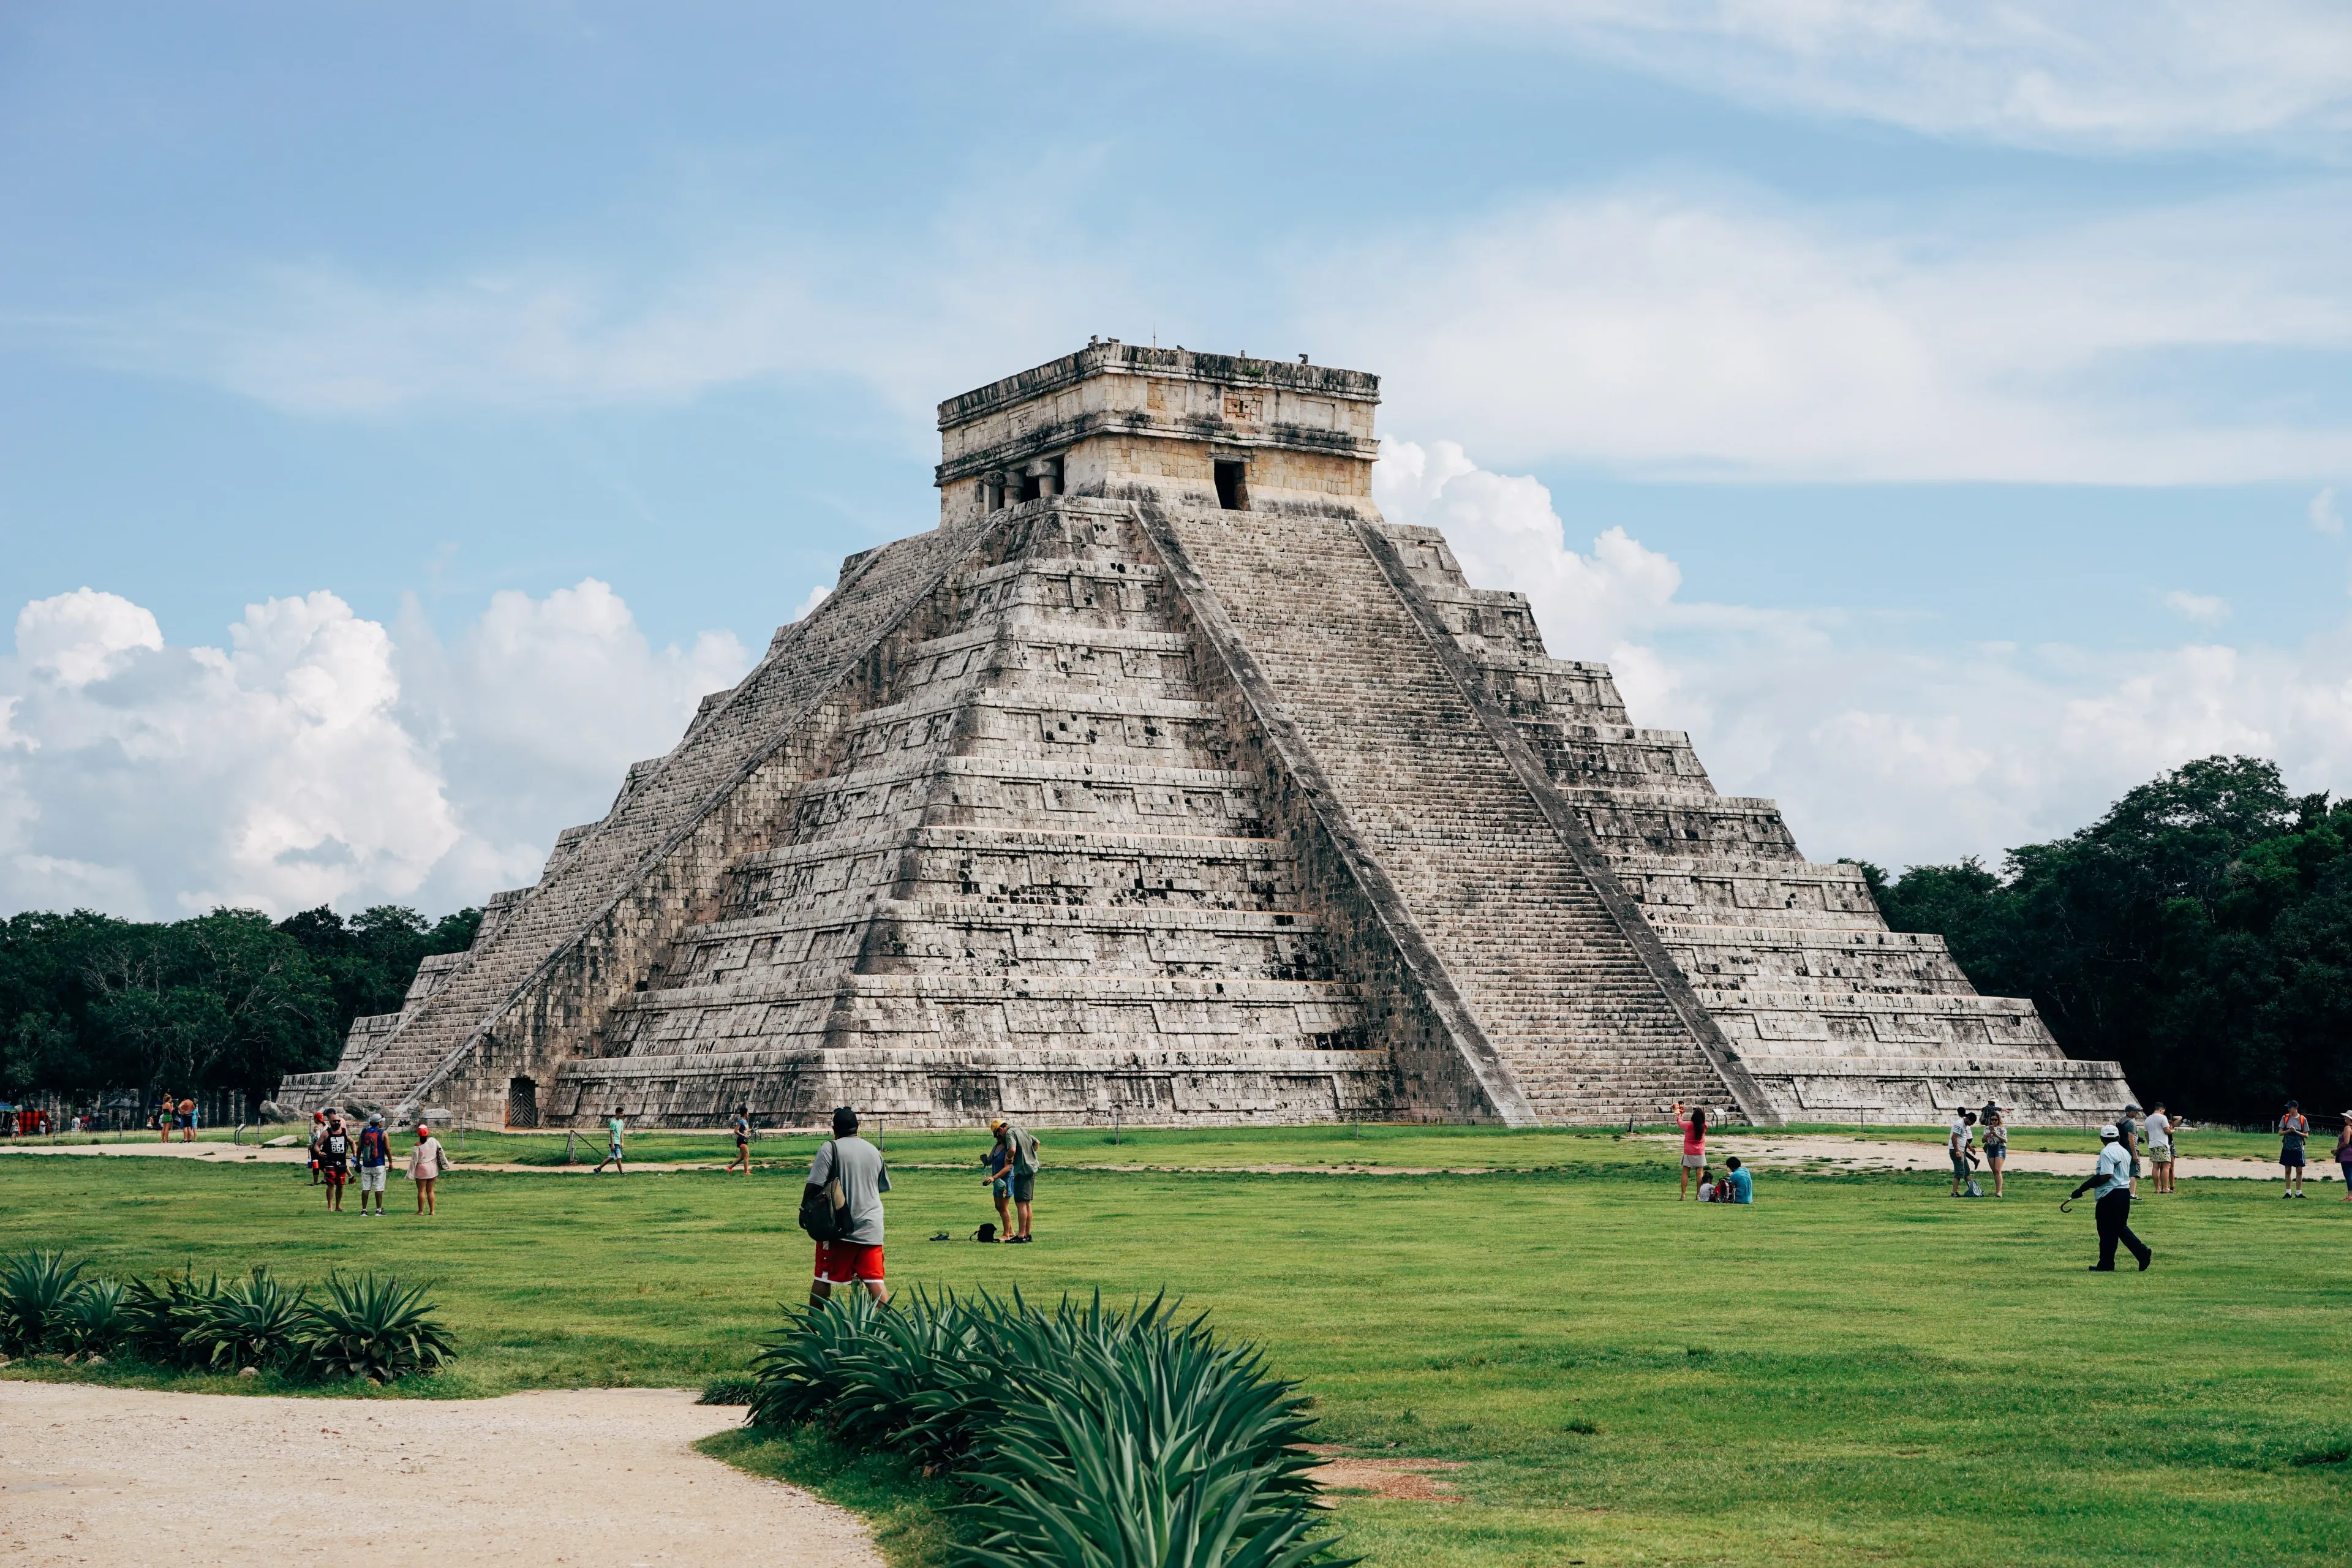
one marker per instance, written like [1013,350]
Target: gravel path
[600,1477]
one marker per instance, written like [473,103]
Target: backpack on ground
[987,1232]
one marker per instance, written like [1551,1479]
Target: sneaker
[2103,1269]
[2146,1261]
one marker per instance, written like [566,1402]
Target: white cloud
[2325,518]
[1876,749]
[2064,73]
[816,595]
[312,759]
[2205,608]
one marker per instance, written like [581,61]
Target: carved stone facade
[1163,780]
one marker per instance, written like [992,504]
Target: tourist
[1694,1128]
[375,1162]
[426,1162]
[2294,1128]
[998,1165]
[2344,1154]
[856,1255]
[335,1161]
[2114,1180]
[1960,1142]
[1996,1142]
[187,1122]
[613,1131]
[163,1116]
[2159,1147]
[1740,1185]
[1022,1173]
[2127,1132]
[318,1146]
[742,1142]
[1707,1183]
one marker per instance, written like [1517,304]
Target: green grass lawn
[1857,1369]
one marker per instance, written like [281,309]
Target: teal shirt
[1743,1188]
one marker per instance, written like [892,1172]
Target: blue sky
[1941,412]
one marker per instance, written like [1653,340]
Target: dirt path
[599,1478]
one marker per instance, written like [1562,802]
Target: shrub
[159,1315]
[1113,1438]
[91,1322]
[373,1328]
[35,1288]
[255,1321]
[728,1388]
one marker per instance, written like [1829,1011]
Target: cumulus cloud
[313,757]
[2207,608]
[1875,748]
[2063,73]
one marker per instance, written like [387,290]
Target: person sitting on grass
[426,1162]
[1736,1186]
[997,1165]
[1707,1184]
[1694,1128]
[613,1131]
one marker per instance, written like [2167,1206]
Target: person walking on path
[2160,1127]
[335,1160]
[613,1131]
[1694,1128]
[1996,1142]
[742,1142]
[2294,1128]
[997,1166]
[1022,1172]
[2344,1154]
[1960,1142]
[2113,1179]
[848,1171]
[375,1162]
[426,1162]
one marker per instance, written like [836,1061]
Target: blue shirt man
[1743,1185]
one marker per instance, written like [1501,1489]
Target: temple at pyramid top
[1166,781]
[1222,431]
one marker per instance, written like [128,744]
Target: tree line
[227,1000]
[2199,933]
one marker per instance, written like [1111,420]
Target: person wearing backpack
[841,1208]
[375,1162]
[1023,1170]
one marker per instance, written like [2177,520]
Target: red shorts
[843,1262]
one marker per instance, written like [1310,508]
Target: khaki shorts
[371,1178]
[1693,1162]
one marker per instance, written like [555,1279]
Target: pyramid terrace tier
[1764,957]
[2055,1090]
[1049,1082]
[959,1011]
[1082,791]
[1031,650]
[1580,755]
[1649,821]
[947,936]
[1736,890]
[1022,867]
[1072,590]
[1845,1024]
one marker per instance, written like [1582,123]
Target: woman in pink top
[1694,1128]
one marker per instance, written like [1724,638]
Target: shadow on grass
[908,1512]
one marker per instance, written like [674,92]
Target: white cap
[2109,1132]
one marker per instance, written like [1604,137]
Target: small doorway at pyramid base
[523,1102]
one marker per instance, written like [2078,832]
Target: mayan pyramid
[1165,781]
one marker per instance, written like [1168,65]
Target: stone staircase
[1569,1005]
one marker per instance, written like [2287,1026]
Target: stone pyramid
[1165,781]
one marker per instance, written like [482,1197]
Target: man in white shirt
[1960,1144]
[2159,1147]
[2114,1180]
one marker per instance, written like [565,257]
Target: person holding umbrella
[2114,1180]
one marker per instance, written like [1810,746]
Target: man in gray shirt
[856,1257]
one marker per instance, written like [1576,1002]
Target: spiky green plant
[91,1322]
[373,1327]
[162,1315]
[254,1321]
[34,1289]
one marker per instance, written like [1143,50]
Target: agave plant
[254,1321]
[35,1288]
[373,1327]
[161,1317]
[91,1322]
